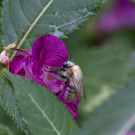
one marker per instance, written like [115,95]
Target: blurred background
[104,48]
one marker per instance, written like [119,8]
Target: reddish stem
[21,51]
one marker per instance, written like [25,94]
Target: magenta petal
[73,107]
[28,68]
[16,65]
[131,133]
[50,81]
[45,51]
[120,15]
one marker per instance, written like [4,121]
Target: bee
[72,76]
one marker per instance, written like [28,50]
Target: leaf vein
[11,18]
[32,25]
[45,116]
[40,4]
[23,12]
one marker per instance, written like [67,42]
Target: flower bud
[4,59]
[13,45]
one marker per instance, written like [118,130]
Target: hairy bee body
[73,75]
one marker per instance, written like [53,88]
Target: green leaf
[115,117]
[26,20]
[133,1]
[4,130]
[7,100]
[42,112]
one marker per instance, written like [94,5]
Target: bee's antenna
[61,57]
[71,55]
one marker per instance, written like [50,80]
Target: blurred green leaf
[26,20]
[4,130]
[133,1]
[115,117]
[42,112]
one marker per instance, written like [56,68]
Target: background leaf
[115,117]
[26,20]
[105,68]
[133,1]
[40,109]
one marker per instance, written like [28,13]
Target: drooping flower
[35,65]
[121,14]
[4,59]
[4,56]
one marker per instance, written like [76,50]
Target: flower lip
[45,51]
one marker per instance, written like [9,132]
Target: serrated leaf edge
[22,128]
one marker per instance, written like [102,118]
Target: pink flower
[34,64]
[131,133]
[119,15]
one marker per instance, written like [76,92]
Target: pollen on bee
[49,77]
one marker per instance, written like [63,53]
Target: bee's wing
[79,89]
[84,94]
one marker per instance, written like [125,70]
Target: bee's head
[68,64]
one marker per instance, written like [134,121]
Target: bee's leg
[55,72]
[57,94]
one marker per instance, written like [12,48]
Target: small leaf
[115,117]
[42,112]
